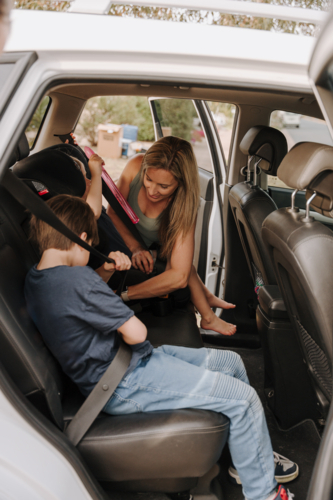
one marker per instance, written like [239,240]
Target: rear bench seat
[159,451]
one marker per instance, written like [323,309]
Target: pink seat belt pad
[114,190]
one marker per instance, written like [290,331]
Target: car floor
[299,443]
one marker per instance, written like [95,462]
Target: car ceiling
[295,102]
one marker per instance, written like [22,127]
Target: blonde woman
[162,187]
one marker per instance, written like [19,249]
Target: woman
[162,187]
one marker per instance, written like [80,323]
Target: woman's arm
[140,255]
[174,277]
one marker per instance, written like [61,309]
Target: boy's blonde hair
[75,213]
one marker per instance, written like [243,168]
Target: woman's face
[159,184]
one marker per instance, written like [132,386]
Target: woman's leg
[209,320]
[213,301]
[212,380]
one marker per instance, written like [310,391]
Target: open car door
[193,121]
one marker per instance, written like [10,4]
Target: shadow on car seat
[166,451]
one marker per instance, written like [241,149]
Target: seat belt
[120,212]
[100,395]
[23,194]
[104,389]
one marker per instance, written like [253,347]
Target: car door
[321,77]
[193,121]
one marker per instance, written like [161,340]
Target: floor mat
[299,443]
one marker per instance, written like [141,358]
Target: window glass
[224,117]
[34,126]
[298,128]
[116,127]
[179,117]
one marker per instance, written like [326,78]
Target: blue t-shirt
[77,315]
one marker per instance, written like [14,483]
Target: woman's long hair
[176,156]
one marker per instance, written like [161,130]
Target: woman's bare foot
[218,325]
[214,301]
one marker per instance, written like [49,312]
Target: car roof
[276,59]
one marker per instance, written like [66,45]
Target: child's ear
[83,236]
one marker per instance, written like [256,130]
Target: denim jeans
[179,377]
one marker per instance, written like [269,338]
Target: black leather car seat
[301,249]
[160,451]
[250,204]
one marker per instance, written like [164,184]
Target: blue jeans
[179,377]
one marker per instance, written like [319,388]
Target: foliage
[199,16]
[133,110]
[177,114]
[216,18]
[33,127]
[41,5]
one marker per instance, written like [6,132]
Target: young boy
[85,316]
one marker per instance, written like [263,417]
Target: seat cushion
[156,445]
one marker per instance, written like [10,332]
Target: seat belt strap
[23,194]
[118,209]
[100,395]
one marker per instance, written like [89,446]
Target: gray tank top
[147,227]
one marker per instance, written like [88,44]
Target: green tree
[200,16]
[131,110]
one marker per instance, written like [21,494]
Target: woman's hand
[95,165]
[122,262]
[73,137]
[142,259]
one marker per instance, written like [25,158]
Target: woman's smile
[159,184]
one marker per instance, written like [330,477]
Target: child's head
[75,213]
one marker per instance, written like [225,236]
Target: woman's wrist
[124,295]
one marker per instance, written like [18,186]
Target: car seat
[166,451]
[286,385]
[301,249]
[265,146]
[52,171]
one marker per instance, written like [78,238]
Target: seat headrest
[51,172]
[21,151]
[304,162]
[74,151]
[309,166]
[267,143]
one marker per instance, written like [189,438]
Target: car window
[116,127]
[37,120]
[224,118]
[298,128]
[179,117]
